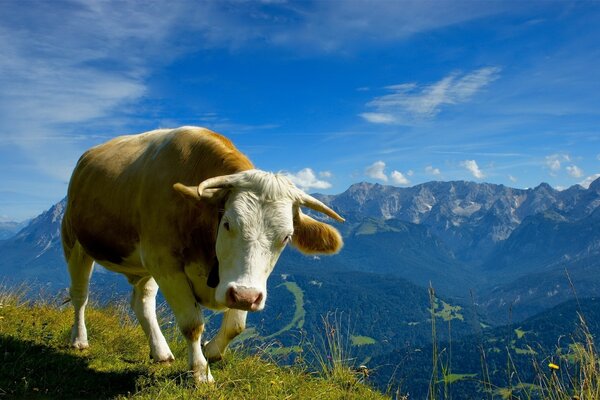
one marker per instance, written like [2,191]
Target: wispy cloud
[410,102]
[306,179]
[65,67]
[512,179]
[473,168]
[432,171]
[553,162]
[574,171]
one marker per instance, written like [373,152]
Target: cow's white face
[252,234]
[261,215]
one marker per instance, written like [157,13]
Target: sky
[329,92]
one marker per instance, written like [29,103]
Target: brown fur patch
[121,193]
[314,237]
[192,333]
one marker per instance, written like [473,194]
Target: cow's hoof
[203,378]
[80,344]
[211,352]
[163,358]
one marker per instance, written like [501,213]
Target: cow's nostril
[231,298]
[244,298]
[258,299]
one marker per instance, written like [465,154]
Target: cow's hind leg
[143,302]
[80,269]
[234,322]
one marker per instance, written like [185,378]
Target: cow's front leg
[178,293]
[234,322]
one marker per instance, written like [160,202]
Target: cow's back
[121,191]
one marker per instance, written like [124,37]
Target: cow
[185,211]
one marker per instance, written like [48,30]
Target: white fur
[258,227]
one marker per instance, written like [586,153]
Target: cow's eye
[226,225]
[287,239]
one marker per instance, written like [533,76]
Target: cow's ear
[315,237]
[191,192]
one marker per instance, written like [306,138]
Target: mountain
[505,249]
[471,218]
[9,228]
[35,253]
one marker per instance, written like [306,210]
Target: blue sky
[331,92]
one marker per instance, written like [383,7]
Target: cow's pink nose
[244,298]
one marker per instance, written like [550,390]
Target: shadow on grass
[30,370]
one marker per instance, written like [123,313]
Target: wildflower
[553,366]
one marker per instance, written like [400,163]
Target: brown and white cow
[183,210]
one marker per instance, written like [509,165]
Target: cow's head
[260,217]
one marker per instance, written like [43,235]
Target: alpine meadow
[300,199]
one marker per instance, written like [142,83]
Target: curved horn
[213,183]
[310,202]
[219,182]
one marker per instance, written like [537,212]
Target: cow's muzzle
[243,298]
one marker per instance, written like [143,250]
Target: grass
[576,373]
[38,363]
[358,340]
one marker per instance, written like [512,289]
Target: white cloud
[399,178]
[432,171]
[306,179]
[553,161]
[376,171]
[473,168]
[410,172]
[588,181]
[411,102]
[325,174]
[67,67]
[512,179]
[379,118]
[574,171]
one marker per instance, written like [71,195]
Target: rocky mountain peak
[595,185]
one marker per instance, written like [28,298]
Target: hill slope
[513,355]
[39,364]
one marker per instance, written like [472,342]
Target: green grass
[447,312]
[39,364]
[358,340]
[452,378]
[520,333]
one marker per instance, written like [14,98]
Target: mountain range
[494,256]
[523,249]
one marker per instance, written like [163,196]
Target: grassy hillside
[38,363]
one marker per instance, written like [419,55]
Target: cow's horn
[311,202]
[218,182]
